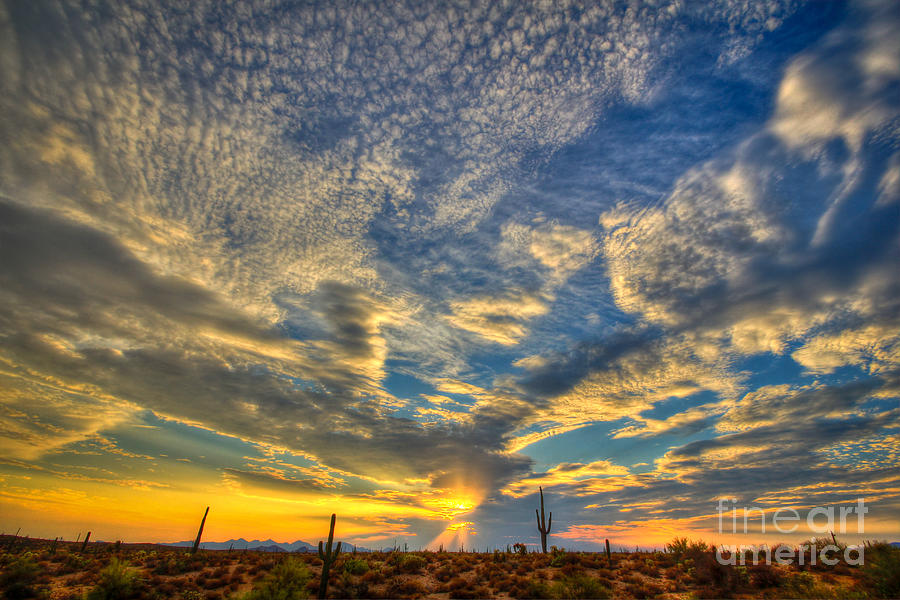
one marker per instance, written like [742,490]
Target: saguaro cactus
[542,527]
[85,542]
[196,545]
[328,558]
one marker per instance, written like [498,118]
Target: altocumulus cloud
[265,219]
[785,245]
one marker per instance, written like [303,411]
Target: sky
[410,262]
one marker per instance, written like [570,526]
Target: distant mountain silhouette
[260,545]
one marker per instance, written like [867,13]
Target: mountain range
[258,545]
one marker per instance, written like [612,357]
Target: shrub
[72,563]
[411,563]
[882,569]
[537,589]
[407,588]
[560,557]
[173,565]
[647,567]
[443,574]
[764,576]
[18,577]
[646,589]
[348,588]
[803,585]
[708,572]
[678,547]
[287,581]
[356,566]
[117,582]
[681,547]
[470,593]
[374,576]
[579,586]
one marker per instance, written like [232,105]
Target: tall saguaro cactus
[328,558]
[196,545]
[543,527]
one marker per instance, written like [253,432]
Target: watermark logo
[787,520]
[820,520]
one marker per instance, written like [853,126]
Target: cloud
[566,473]
[874,347]
[617,378]
[161,343]
[270,482]
[776,247]
[843,89]
[562,249]
[499,319]
[31,429]
[258,219]
[770,405]
[744,244]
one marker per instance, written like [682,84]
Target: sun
[452,507]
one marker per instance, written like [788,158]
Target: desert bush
[407,588]
[579,586]
[173,565]
[472,593]
[683,547]
[411,563]
[677,547]
[287,581]
[708,572]
[220,572]
[560,557]
[19,576]
[443,574]
[348,588]
[214,583]
[571,569]
[645,589]
[537,589]
[72,563]
[117,582]
[822,542]
[356,566]
[765,576]
[882,569]
[647,566]
[803,585]
[674,573]
[374,576]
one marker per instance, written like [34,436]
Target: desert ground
[34,568]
